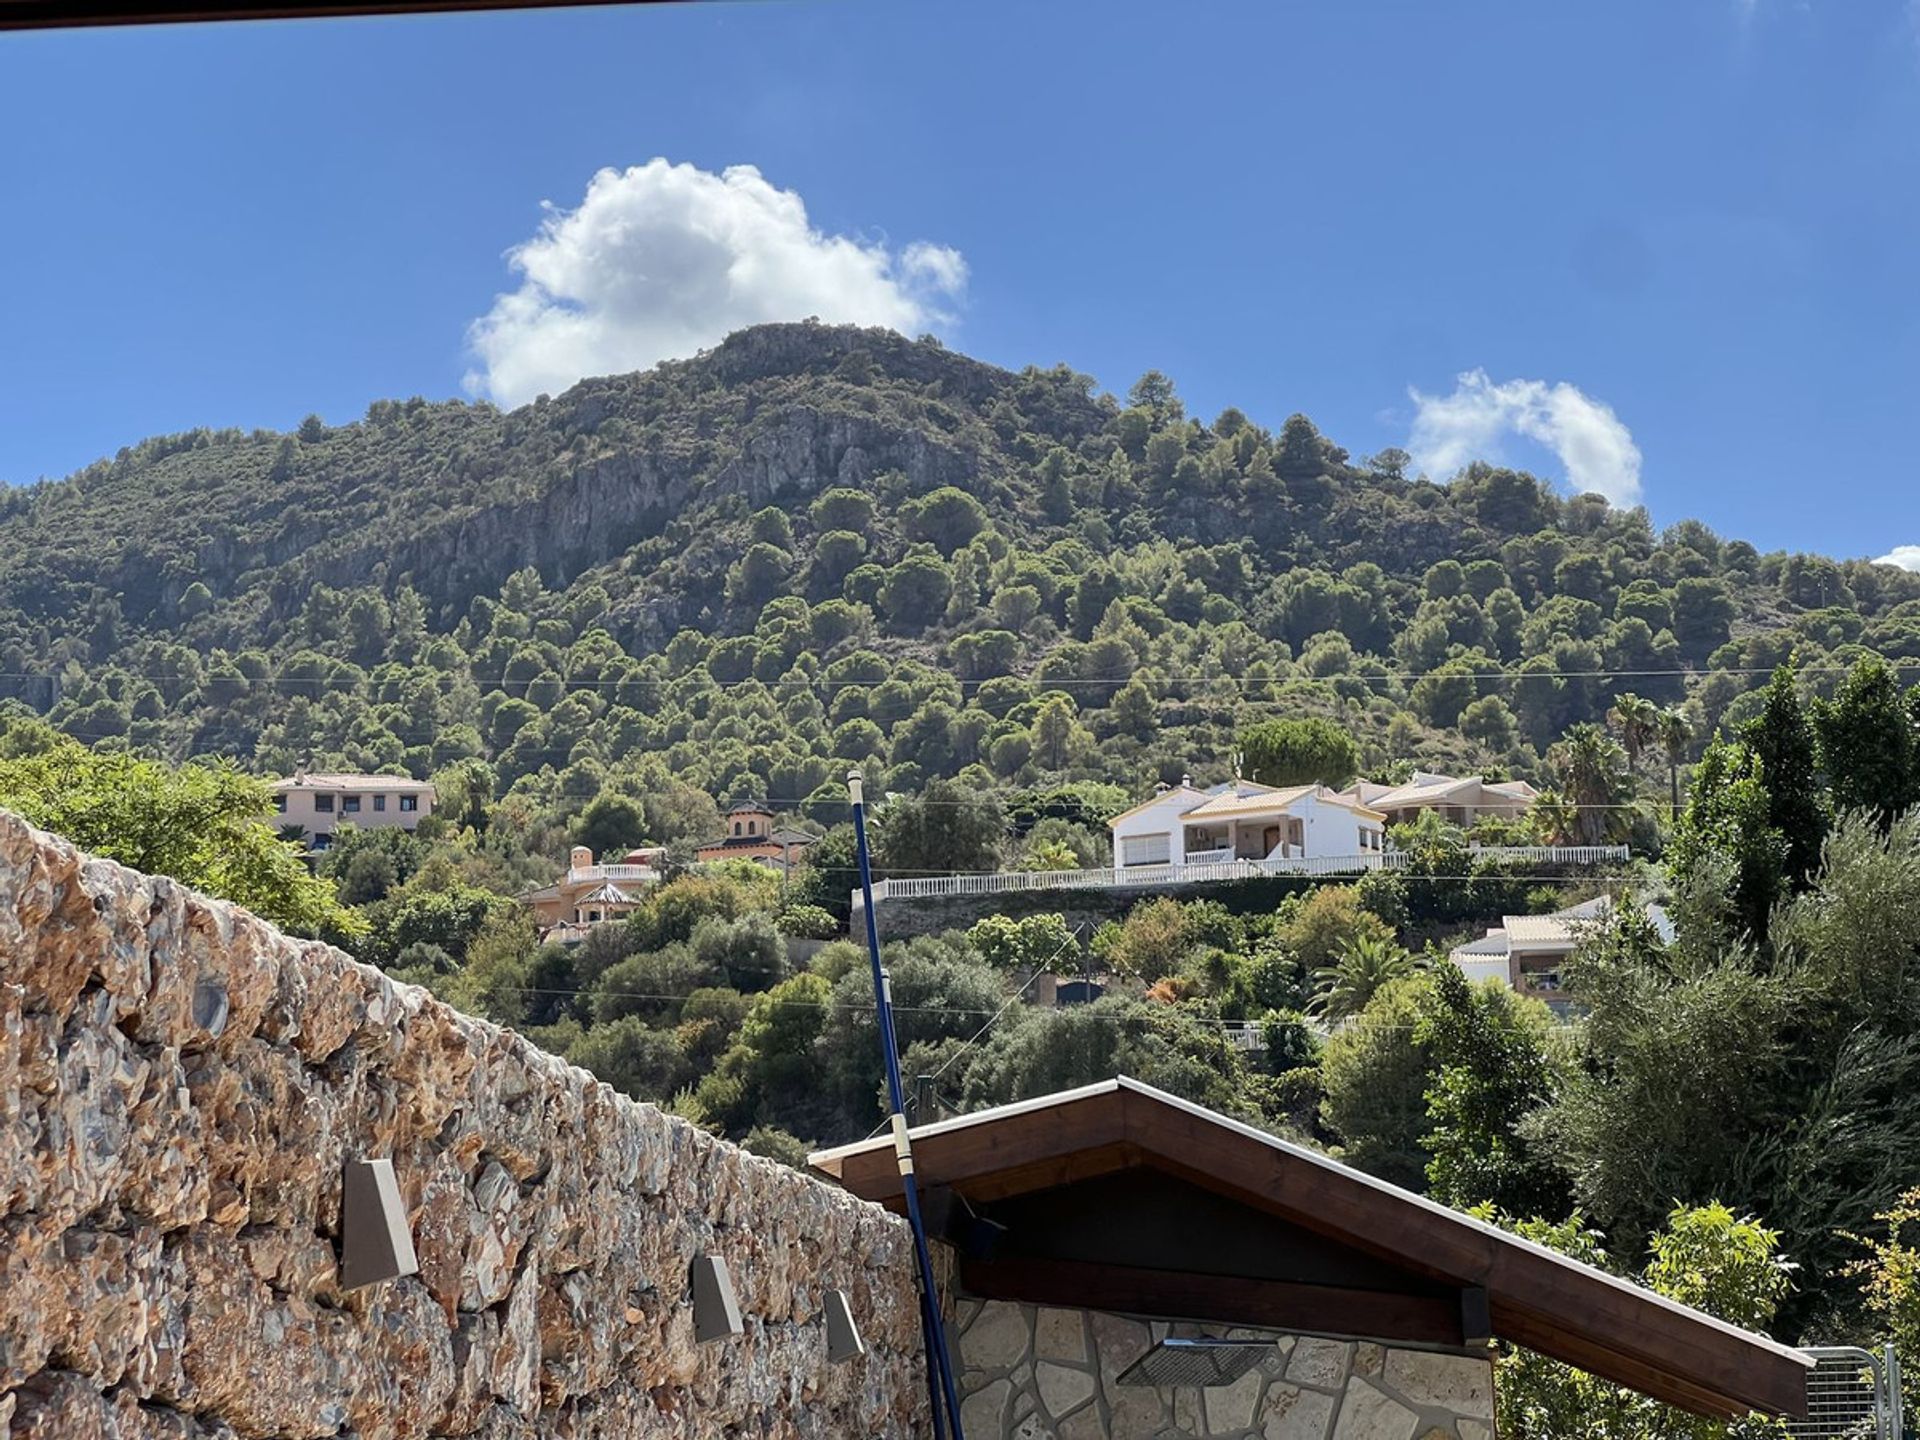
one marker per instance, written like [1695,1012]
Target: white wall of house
[1162,832]
[1138,838]
[1336,829]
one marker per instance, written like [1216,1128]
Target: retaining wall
[180,1085]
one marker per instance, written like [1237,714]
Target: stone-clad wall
[1042,1374]
[179,1086]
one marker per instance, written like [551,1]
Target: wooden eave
[1532,1296]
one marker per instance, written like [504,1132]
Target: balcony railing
[599,874]
[1204,868]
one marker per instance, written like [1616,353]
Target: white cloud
[661,260]
[1907,557]
[1590,440]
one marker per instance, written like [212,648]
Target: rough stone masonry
[180,1085]
[1038,1373]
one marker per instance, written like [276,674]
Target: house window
[736,827]
[350,804]
[1146,849]
[594,916]
[409,802]
[323,804]
[379,802]
[280,804]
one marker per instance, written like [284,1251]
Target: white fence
[1213,872]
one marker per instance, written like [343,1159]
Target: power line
[1013,999]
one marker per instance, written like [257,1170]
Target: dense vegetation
[1016,604]
[819,546]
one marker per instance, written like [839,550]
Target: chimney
[580,857]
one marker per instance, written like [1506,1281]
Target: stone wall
[1033,1373]
[179,1087]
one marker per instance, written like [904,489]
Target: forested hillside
[817,545]
[1016,604]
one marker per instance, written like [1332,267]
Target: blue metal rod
[940,1385]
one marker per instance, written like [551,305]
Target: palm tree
[1050,855]
[1554,818]
[1364,964]
[1638,721]
[1676,733]
[1591,766]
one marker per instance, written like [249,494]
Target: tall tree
[1782,737]
[1866,743]
[1727,827]
[948,827]
[1490,1047]
[205,825]
[1296,751]
[1676,733]
[1637,720]
[1592,770]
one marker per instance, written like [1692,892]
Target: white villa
[1460,801]
[1184,827]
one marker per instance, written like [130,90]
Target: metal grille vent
[1852,1394]
[1199,1362]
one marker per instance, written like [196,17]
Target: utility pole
[940,1387]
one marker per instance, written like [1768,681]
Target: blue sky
[1675,242]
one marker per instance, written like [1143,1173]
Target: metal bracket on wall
[375,1243]
[843,1336]
[716,1313]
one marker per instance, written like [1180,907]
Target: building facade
[753,834]
[1188,828]
[591,892]
[319,804]
[1527,952]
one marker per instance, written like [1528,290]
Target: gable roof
[606,893]
[1260,800]
[1532,1296]
[1159,797]
[1426,787]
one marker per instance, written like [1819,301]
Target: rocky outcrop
[180,1085]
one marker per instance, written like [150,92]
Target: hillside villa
[593,892]
[590,892]
[318,804]
[1457,801]
[752,835]
[1525,952]
[1184,827]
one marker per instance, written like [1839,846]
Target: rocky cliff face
[179,1087]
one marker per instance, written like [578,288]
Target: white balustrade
[1213,866]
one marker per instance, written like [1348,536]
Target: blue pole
[939,1366]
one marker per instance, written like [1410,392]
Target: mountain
[817,545]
